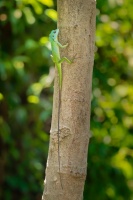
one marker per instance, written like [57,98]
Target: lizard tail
[59,106]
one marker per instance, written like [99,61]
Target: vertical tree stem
[76,22]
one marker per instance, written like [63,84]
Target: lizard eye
[54,31]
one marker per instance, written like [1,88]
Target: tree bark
[76,22]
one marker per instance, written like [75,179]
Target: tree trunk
[76,22]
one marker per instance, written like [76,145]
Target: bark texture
[76,22]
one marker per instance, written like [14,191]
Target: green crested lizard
[53,38]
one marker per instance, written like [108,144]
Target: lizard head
[53,35]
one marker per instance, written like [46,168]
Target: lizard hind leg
[65,59]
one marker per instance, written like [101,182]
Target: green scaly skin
[53,38]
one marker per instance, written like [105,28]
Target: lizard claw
[74,58]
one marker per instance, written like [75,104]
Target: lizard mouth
[57,31]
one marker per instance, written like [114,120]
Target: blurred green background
[26,92]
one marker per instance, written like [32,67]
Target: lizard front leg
[60,45]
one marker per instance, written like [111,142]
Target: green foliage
[26,100]
[25,96]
